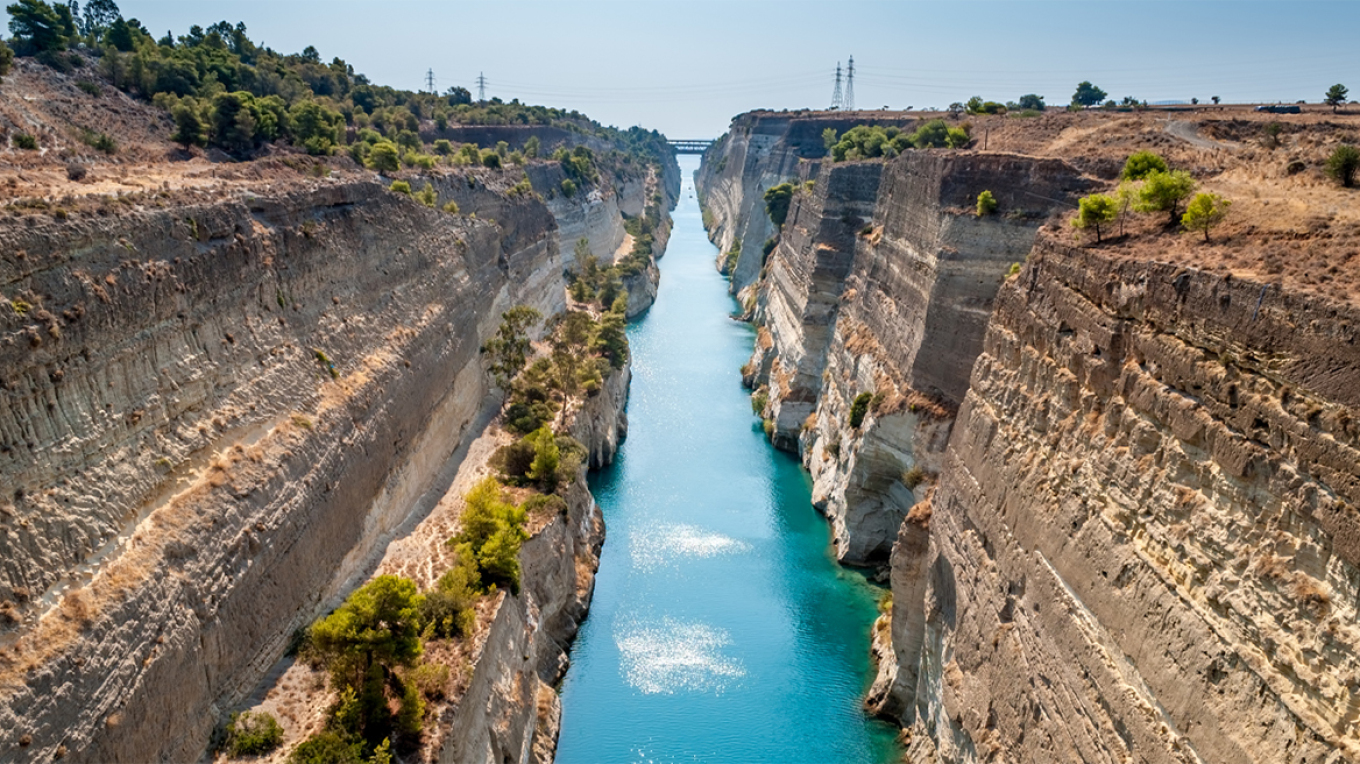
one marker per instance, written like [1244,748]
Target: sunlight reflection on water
[671,655]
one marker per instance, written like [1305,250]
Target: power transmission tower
[836,96]
[850,87]
[481,87]
[429,81]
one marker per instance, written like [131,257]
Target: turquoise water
[722,630]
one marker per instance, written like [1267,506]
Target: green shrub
[90,87]
[1204,212]
[1140,164]
[493,530]
[400,187]
[1095,211]
[443,147]
[25,141]
[1342,164]
[491,159]
[568,188]
[986,203]
[547,456]
[427,196]
[859,408]
[384,157]
[375,631]
[451,207]
[777,200]
[328,747]
[759,401]
[252,733]
[1164,191]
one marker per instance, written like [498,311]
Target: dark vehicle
[1280,109]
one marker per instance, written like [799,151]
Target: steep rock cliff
[880,286]
[217,412]
[1144,541]
[760,150]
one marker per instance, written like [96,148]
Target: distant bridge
[690,146]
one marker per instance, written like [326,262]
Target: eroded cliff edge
[1119,493]
[219,408]
[1143,543]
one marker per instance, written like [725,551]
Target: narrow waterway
[722,629]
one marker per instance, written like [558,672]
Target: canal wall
[1124,527]
[221,407]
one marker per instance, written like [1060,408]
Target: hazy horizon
[686,68]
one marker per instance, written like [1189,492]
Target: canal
[722,629]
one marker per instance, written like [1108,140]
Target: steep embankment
[760,150]
[1141,541]
[216,414]
[879,286]
[1144,541]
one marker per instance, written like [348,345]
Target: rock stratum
[1117,495]
[220,408]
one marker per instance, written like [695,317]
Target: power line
[836,95]
[850,87]
[481,86]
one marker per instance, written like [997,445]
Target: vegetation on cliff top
[224,90]
[872,141]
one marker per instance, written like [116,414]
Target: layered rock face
[760,150]
[880,286]
[1143,545]
[1120,495]
[216,416]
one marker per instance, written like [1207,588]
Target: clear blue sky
[686,67]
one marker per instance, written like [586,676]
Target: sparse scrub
[1342,164]
[253,733]
[913,477]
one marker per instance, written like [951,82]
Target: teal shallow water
[722,629]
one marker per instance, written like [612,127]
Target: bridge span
[690,145]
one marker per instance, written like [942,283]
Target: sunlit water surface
[722,629]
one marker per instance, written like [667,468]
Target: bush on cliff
[384,157]
[510,347]
[1204,212]
[362,644]
[493,530]
[1141,164]
[1164,192]
[859,408]
[252,733]
[1095,211]
[777,200]
[986,204]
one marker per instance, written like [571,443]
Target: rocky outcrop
[215,416]
[1144,541]
[879,287]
